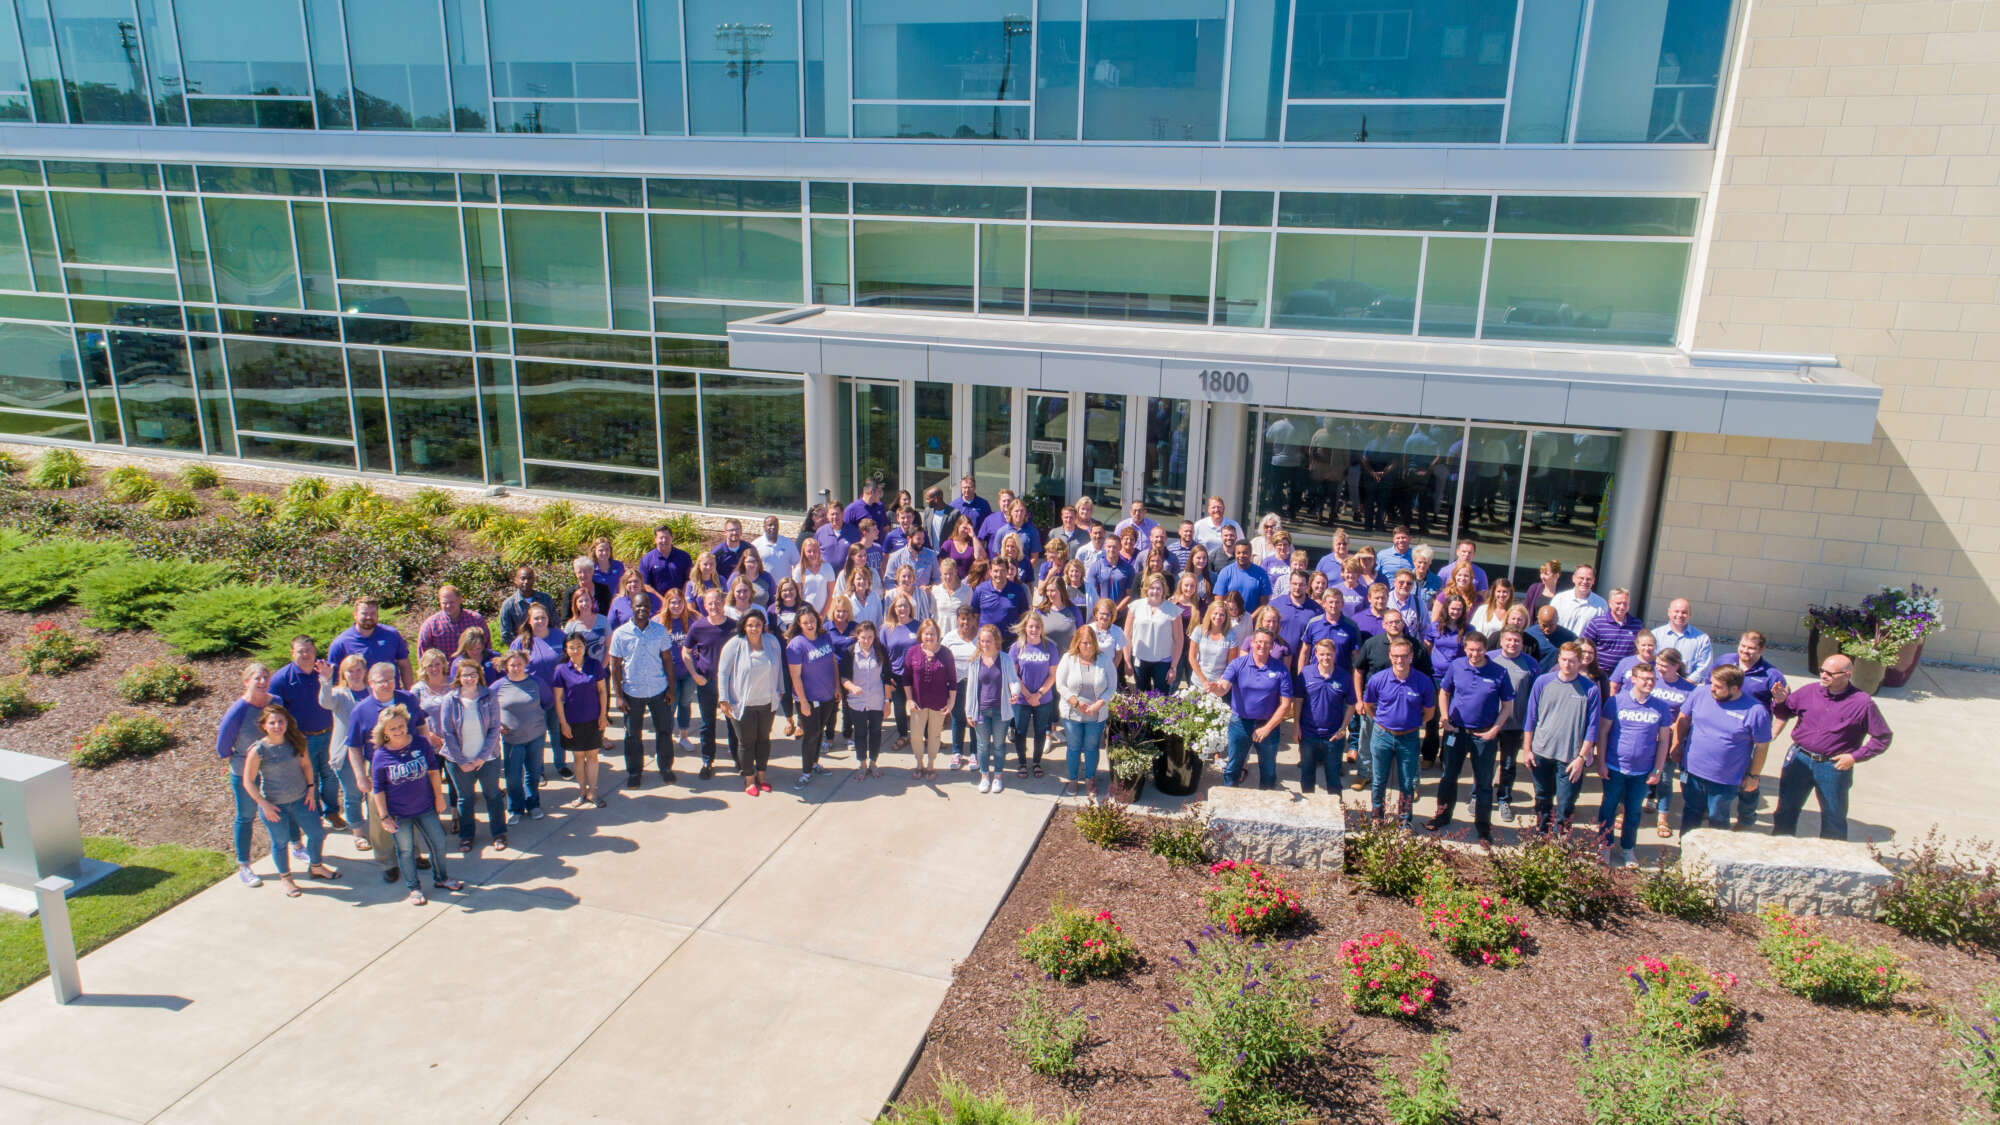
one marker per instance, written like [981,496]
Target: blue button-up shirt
[1697,651]
[641,653]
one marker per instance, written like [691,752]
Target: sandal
[417,898]
[1664,831]
[1021,772]
[451,885]
[1038,769]
[361,844]
[751,789]
[323,871]
[291,889]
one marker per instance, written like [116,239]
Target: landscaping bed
[1514,1031]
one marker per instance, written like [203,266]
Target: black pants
[1459,746]
[661,708]
[867,736]
[705,698]
[750,738]
[1510,755]
[817,719]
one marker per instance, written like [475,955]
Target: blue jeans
[1706,802]
[1317,756]
[1555,793]
[960,733]
[524,778]
[1039,718]
[246,817]
[1156,675]
[294,819]
[1398,752]
[562,758]
[1241,740]
[485,776]
[684,702]
[989,741]
[1802,775]
[1361,736]
[326,782]
[1461,746]
[1626,790]
[432,830]
[1084,737]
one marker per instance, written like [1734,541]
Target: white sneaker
[986,785]
[1504,812]
[248,877]
[998,784]
[299,854]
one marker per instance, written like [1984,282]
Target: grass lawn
[150,880]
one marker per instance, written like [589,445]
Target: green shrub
[136,593]
[1941,894]
[9,464]
[1047,1037]
[1182,843]
[1390,861]
[536,547]
[1827,971]
[583,529]
[158,681]
[1679,893]
[1387,975]
[1472,924]
[1631,1081]
[232,617]
[257,506]
[484,582]
[52,650]
[48,573]
[129,484]
[1558,874]
[227,494]
[120,737]
[1077,945]
[1249,901]
[1248,1022]
[171,504]
[498,529]
[1976,1053]
[631,542]
[956,1104]
[472,517]
[199,476]
[305,516]
[432,502]
[1678,1003]
[554,514]
[15,702]
[323,624]
[310,489]
[1107,824]
[354,496]
[1428,1098]
[58,468]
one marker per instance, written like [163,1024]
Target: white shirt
[1573,612]
[781,556]
[1153,631]
[944,606]
[1208,533]
[814,586]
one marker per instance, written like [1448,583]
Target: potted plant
[1193,725]
[1131,765]
[1884,635]
[1132,741]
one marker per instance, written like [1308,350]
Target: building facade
[1490,266]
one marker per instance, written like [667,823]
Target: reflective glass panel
[296,452]
[1394,124]
[1486,500]
[680,435]
[942,122]
[1124,205]
[577,49]
[1154,73]
[103,75]
[14,271]
[465,53]
[1003,268]
[503,445]
[631,287]
[13,80]
[932,459]
[155,391]
[371,410]
[1121,274]
[1104,449]
[1584,214]
[992,440]
[1609,292]
[1047,463]
[555,268]
[38,369]
[396,51]
[1243,260]
[1384,211]
[484,264]
[235,47]
[1418,49]
[829,258]
[725,195]
[216,423]
[1651,72]
[913,265]
[396,242]
[660,66]
[435,407]
[112,230]
[286,388]
[1569,500]
[1058,69]
[315,256]
[594,482]
[941,200]
[750,429]
[1256,69]
[826,67]
[976,50]
[1452,268]
[1168,421]
[727,257]
[327,39]
[743,67]
[1545,71]
[598,415]
[1345,283]
[94,352]
[391,183]
[876,421]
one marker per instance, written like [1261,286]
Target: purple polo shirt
[1000,607]
[1400,704]
[666,572]
[1257,692]
[299,692]
[1614,641]
[1344,634]
[1829,724]
[381,645]
[832,547]
[1367,623]
[1476,693]
[1110,577]
[726,558]
[1293,617]
[818,663]
[1325,700]
[579,690]
[704,643]
[1757,680]
[1633,739]
[1722,736]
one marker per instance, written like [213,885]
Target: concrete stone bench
[1802,876]
[1273,826]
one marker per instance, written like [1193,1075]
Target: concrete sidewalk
[687,954]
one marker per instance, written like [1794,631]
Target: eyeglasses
[1823,673]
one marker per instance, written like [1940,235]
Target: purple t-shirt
[403,777]
[898,639]
[1722,736]
[1366,623]
[1000,607]
[1293,617]
[1399,704]
[1325,701]
[989,685]
[382,645]
[579,690]
[818,663]
[1634,736]
[1756,681]
[543,656]
[1346,637]
[1476,693]
[1676,692]
[1258,692]
[1034,664]
[705,641]
[666,572]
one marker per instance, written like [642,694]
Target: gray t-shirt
[521,715]
[281,773]
[1521,673]
[1562,714]
[1211,653]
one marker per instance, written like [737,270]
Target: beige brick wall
[1859,214]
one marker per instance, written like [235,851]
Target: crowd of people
[953,629]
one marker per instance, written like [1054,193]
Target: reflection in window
[1154,74]
[285,388]
[103,76]
[1651,71]
[1544,71]
[1568,500]
[942,122]
[743,67]
[913,265]
[875,424]
[40,372]
[971,50]
[396,51]
[1609,292]
[155,391]
[1420,49]
[660,66]
[592,415]
[434,405]
[1487,501]
[13,81]
[750,430]
[555,268]
[1058,69]
[1452,269]
[992,438]
[112,230]
[398,243]
[1345,282]
[1168,421]
[1121,274]
[728,257]
[253,259]
[932,430]
[239,48]
[1415,123]
[564,68]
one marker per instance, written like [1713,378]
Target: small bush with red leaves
[1387,975]
[1076,945]
[1679,1003]
[1248,901]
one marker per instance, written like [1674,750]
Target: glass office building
[684,251]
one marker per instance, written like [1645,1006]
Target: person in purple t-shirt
[1400,700]
[705,637]
[814,665]
[1636,731]
[377,643]
[665,567]
[1259,690]
[1727,733]
[1035,661]
[1476,696]
[408,796]
[1760,682]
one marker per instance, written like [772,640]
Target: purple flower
[1586,1042]
[1643,987]
[1190,946]
[1315,976]
[1173,1007]
[1242,1057]
[1174,959]
[1181,1074]
[1697,998]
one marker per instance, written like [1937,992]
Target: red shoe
[751,789]
[763,789]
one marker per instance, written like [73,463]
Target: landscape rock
[1274,826]
[1802,876]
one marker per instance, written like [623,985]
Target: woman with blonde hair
[1154,626]
[931,677]
[1085,681]
[469,723]
[990,687]
[704,577]
[859,588]
[339,693]
[1210,646]
[408,796]
[815,578]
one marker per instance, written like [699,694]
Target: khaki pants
[927,729]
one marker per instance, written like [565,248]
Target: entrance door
[1049,442]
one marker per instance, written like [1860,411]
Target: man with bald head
[1838,725]
[1697,651]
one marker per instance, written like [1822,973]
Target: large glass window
[1168,427]
[750,428]
[660,66]
[398,243]
[1058,69]
[877,442]
[1154,73]
[286,388]
[680,435]
[826,67]
[966,50]
[588,415]
[933,437]
[396,52]
[992,440]
[13,80]
[1419,50]
[743,67]
[465,53]
[555,268]
[1452,269]
[1346,282]
[1047,463]
[1104,449]
[1242,275]
[564,68]
[103,76]
[1613,292]
[913,265]
[112,230]
[727,257]
[1003,268]
[1568,500]
[829,258]
[41,370]
[155,391]
[1256,69]
[1121,274]
[1651,71]
[1486,501]
[246,63]
[1545,71]
[253,258]
[434,411]
[14,271]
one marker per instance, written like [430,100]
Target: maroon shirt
[932,679]
[1848,723]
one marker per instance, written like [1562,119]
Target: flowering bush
[1248,1019]
[1428,1098]
[1679,1003]
[157,681]
[1561,875]
[1883,624]
[1829,971]
[1977,1054]
[1388,976]
[52,650]
[1944,893]
[1390,861]
[1247,901]
[1472,924]
[1076,945]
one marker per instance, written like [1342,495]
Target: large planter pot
[1125,792]
[1177,772]
[1899,673]
[1869,674]
[1818,648]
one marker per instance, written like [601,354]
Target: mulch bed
[1514,1030]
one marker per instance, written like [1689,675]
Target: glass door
[992,441]
[1103,441]
[876,444]
[1164,461]
[930,464]
[1047,462]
